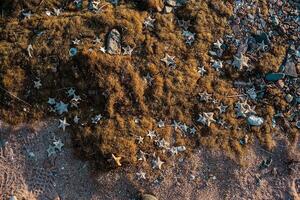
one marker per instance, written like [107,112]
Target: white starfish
[158,163]
[218,44]
[63,124]
[127,50]
[58,144]
[176,125]
[169,60]
[161,123]
[151,134]
[209,118]
[140,139]
[141,175]
[76,41]
[103,49]
[163,143]
[149,22]
[96,119]
[201,70]
[61,107]
[204,96]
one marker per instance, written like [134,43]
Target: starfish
[51,150]
[140,139]
[184,127]
[58,144]
[158,163]
[148,79]
[151,134]
[76,41]
[117,160]
[97,41]
[184,24]
[262,46]
[161,123]
[217,64]
[189,37]
[63,124]
[176,125]
[127,50]
[76,119]
[173,151]
[202,119]
[141,175]
[71,92]
[209,118]
[169,60]
[240,62]
[222,108]
[61,107]
[56,11]
[103,49]
[37,84]
[218,44]
[163,143]
[201,70]
[149,22]
[193,130]
[51,101]
[96,119]
[204,96]
[142,155]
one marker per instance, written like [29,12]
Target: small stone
[274,76]
[113,44]
[254,120]
[72,52]
[168,9]
[13,198]
[281,83]
[171,3]
[148,197]
[290,70]
[289,98]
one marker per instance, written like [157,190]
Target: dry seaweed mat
[141,81]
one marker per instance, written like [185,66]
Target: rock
[168,9]
[290,70]
[73,52]
[263,37]
[148,197]
[155,5]
[13,198]
[113,44]
[254,120]
[289,98]
[274,76]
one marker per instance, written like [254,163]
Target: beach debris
[61,107]
[162,143]
[73,51]
[113,43]
[63,124]
[274,76]
[149,22]
[37,84]
[148,197]
[169,60]
[157,164]
[29,50]
[142,156]
[255,121]
[240,61]
[57,11]
[141,175]
[151,134]
[117,160]
[193,131]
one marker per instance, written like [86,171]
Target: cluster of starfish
[54,147]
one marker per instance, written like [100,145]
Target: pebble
[290,70]
[72,52]
[254,120]
[113,44]
[289,98]
[13,198]
[148,197]
[171,3]
[274,76]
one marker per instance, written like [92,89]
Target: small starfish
[184,24]
[76,119]
[56,11]
[127,50]
[141,175]
[163,143]
[217,64]
[149,22]
[58,144]
[151,134]
[202,119]
[169,60]
[103,49]
[71,92]
[117,160]
[240,62]
[184,127]
[218,44]
[97,41]
[142,155]
[96,119]
[140,139]
[222,108]
[204,96]
[173,151]
[51,101]
[209,118]
[51,150]
[176,125]
[76,41]
[201,70]
[61,107]
[158,163]
[262,46]
[161,123]
[148,79]
[63,124]
[193,130]
[37,84]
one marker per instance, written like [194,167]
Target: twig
[12,95]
